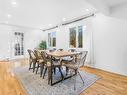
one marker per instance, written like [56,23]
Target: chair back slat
[72,50]
[31,54]
[38,54]
[60,49]
[44,56]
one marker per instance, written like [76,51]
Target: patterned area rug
[35,85]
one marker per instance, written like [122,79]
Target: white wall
[32,38]
[108,51]
[5,32]
[110,43]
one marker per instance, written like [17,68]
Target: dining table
[59,54]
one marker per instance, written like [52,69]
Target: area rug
[35,85]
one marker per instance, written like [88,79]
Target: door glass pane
[19,43]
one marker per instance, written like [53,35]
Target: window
[19,43]
[76,37]
[52,39]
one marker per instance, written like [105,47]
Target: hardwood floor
[9,85]
[109,84]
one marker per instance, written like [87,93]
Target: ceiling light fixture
[50,25]
[13,3]
[64,19]
[87,10]
[9,16]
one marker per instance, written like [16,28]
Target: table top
[62,53]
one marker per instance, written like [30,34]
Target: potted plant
[42,45]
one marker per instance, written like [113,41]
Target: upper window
[76,37]
[52,39]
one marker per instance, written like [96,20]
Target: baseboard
[105,70]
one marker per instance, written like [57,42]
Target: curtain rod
[50,28]
[71,21]
[78,19]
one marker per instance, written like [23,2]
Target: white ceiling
[114,3]
[41,13]
[45,13]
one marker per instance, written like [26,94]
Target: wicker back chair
[69,58]
[75,66]
[32,59]
[40,60]
[47,61]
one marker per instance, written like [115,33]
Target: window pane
[54,39]
[73,37]
[80,36]
[49,39]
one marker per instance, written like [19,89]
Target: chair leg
[37,68]
[34,64]
[41,69]
[54,70]
[44,72]
[81,77]
[75,72]
[67,69]
[49,75]
[30,63]
[60,72]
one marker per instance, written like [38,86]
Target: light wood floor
[109,84]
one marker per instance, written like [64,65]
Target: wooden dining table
[59,54]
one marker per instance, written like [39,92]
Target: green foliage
[42,45]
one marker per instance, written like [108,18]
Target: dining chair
[32,59]
[56,64]
[40,60]
[75,66]
[69,59]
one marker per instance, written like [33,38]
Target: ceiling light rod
[78,19]
[50,28]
